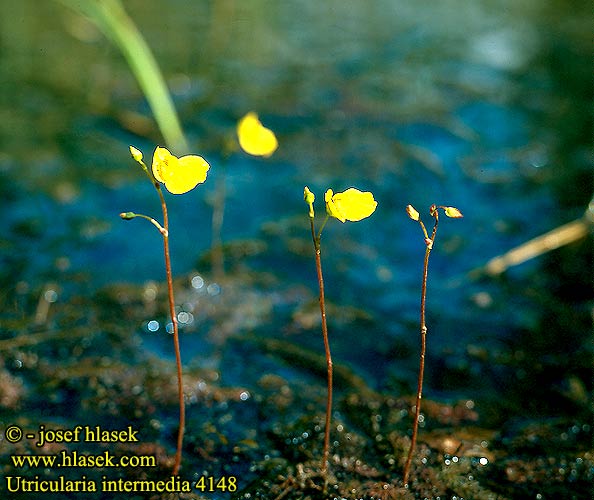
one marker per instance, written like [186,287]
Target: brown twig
[558,237]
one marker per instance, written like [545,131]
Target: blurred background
[486,106]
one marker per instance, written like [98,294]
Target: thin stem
[132,215]
[322,228]
[218,215]
[421,368]
[182,413]
[316,241]
[423,331]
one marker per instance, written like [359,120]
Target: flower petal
[162,163]
[179,175]
[190,171]
[332,208]
[254,138]
[353,205]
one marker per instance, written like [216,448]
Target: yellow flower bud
[179,175]
[309,198]
[136,154]
[412,213]
[254,138]
[453,212]
[352,204]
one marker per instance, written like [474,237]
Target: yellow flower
[351,204]
[254,138]
[179,175]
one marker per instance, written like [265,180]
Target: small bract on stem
[429,242]
[179,175]
[352,205]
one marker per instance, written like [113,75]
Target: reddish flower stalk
[316,242]
[179,175]
[414,215]
[352,205]
[180,388]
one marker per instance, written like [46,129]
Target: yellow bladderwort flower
[352,204]
[179,175]
[255,138]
